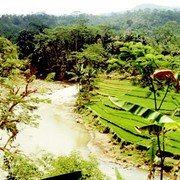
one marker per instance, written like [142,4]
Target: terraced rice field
[122,122]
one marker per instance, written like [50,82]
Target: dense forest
[96,51]
[49,40]
[141,21]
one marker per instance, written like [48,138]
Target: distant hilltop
[153,7]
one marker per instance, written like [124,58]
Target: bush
[74,162]
[21,167]
[50,77]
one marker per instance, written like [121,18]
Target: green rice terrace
[122,122]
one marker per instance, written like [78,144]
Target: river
[59,133]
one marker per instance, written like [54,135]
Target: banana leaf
[144,112]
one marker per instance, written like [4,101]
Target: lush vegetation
[21,167]
[74,162]
[123,122]
[131,47]
[16,111]
[142,20]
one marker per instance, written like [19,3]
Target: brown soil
[107,149]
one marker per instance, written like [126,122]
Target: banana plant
[159,125]
[163,78]
[154,116]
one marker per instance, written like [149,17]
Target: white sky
[59,7]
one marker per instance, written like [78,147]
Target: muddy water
[59,133]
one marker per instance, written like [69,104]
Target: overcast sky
[59,7]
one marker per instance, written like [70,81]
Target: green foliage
[11,25]
[54,46]
[16,106]
[144,112]
[133,57]
[139,21]
[26,44]
[9,62]
[134,50]
[123,122]
[88,63]
[84,76]
[167,38]
[93,55]
[49,49]
[74,162]
[159,123]
[175,63]
[19,166]
[115,64]
[151,41]
[15,101]
[86,79]
[22,167]
[134,122]
[50,77]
